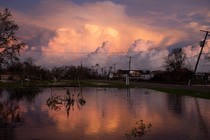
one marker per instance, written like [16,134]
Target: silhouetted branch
[55,102]
[139,130]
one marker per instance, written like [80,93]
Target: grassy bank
[194,91]
[183,91]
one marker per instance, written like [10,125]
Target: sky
[105,32]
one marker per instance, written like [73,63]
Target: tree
[10,46]
[15,68]
[175,60]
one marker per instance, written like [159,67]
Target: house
[6,76]
[202,77]
[146,76]
[133,74]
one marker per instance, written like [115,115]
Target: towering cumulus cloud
[68,33]
[192,52]
[99,56]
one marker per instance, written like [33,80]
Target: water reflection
[102,113]
[28,94]
[139,130]
[130,102]
[10,111]
[9,117]
[175,102]
[55,102]
[202,122]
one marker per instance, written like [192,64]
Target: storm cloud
[107,32]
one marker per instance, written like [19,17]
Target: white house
[146,76]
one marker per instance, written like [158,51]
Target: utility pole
[202,44]
[114,67]
[129,63]
[81,64]
[128,76]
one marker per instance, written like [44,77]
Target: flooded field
[101,113]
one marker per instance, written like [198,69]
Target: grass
[192,91]
[200,92]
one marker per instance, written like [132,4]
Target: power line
[80,52]
[150,60]
[110,53]
[116,53]
[56,52]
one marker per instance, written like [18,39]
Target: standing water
[101,113]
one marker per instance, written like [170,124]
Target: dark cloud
[35,36]
[22,5]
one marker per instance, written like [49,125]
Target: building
[6,76]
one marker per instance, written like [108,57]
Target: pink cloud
[78,30]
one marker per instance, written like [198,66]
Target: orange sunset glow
[67,32]
[109,114]
[104,69]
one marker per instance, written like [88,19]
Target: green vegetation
[183,91]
